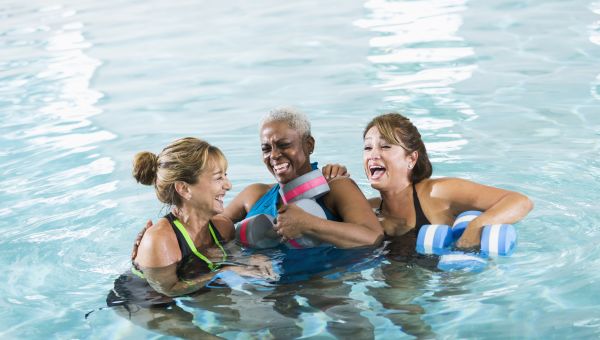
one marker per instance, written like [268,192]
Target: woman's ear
[183,190]
[414,156]
[309,143]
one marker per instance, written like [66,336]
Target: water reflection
[53,184]
[595,38]
[51,108]
[419,56]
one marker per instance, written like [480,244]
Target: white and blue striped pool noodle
[499,239]
[434,239]
[437,239]
[460,261]
[462,221]
[496,239]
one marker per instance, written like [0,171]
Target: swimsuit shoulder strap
[190,244]
[420,218]
[183,245]
[267,204]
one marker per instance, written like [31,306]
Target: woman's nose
[227,185]
[374,153]
[275,153]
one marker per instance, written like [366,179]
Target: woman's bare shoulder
[159,246]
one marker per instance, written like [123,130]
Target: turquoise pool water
[505,93]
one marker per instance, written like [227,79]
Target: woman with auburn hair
[396,164]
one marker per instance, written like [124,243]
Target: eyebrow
[277,141]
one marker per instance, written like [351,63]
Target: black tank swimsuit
[420,218]
[191,265]
[132,289]
[402,248]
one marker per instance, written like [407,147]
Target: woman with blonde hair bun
[185,249]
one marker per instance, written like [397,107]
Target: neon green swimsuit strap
[190,243]
[212,232]
[137,272]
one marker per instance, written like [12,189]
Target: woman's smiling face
[210,189]
[285,151]
[386,165]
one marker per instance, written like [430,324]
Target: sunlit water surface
[506,93]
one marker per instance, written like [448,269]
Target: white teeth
[280,167]
[375,168]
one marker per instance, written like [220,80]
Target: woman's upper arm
[241,204]
[158,247]
[225,226]
[351,205]
[162,279]
[465,195]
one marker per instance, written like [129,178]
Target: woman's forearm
[343,234]
[510,209]
[164,283]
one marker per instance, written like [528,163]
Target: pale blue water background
[505,93]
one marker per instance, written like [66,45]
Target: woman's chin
[283,178]
[375,184]
[218,209]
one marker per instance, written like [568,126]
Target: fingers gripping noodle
[257,231]
[496,240]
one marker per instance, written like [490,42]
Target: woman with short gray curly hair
[286,145]
[294,118]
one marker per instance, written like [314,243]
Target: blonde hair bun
[144,167]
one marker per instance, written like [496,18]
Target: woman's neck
[193,219]
[303,171]
[395,201]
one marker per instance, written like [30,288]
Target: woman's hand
[265,266]
[138,239]
[471,237]
[331,171]
[290,221]
[260,272]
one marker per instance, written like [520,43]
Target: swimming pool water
[505,93]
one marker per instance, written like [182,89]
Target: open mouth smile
[376,171]
[280,168]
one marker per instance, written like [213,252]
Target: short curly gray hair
[294,118]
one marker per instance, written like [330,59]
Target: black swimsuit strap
[420,218]
[183,245]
